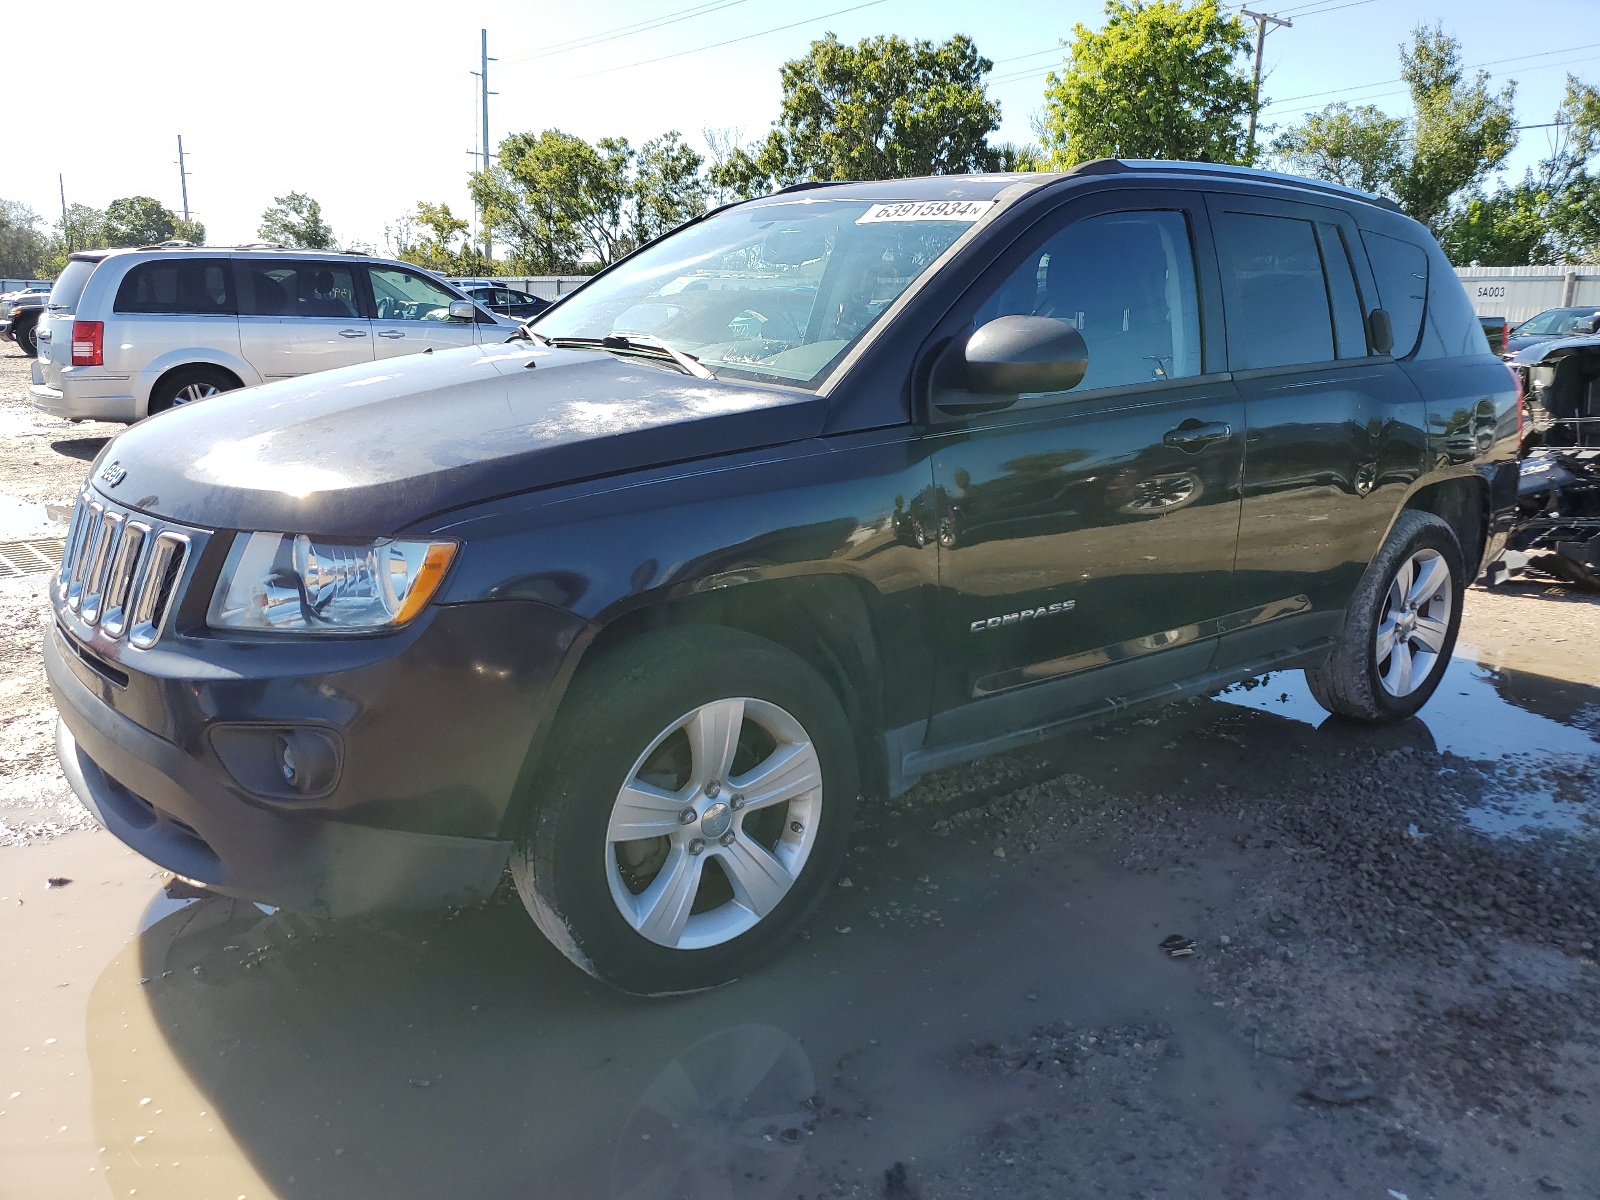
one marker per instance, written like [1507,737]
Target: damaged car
[1557,528]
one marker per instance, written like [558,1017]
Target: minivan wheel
[690,811]
[187,386]
[1400,627]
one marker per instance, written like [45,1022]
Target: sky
[370,109]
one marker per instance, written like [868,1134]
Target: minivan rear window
[183,285]
[69,284]
[1401,270]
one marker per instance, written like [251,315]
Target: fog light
[286,757]
[280,762]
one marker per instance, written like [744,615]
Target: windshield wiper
[637,342]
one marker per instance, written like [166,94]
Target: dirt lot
[1393,990]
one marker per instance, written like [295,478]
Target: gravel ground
[1385,980]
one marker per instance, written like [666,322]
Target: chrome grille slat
[121,571]
[156,592]
[119,583]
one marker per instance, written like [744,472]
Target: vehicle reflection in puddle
[1531,732]
[330,1065]
[22,518]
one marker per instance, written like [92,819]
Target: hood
[1538,350]
[371,449]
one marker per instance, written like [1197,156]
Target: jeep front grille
[120,570]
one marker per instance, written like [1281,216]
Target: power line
[717,45]
[624,31]
[1470,67]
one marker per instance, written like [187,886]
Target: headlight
[304,584]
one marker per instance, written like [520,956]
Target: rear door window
[297,289]
[1349,327]
[1275,291]
[1401,270]
[177,285]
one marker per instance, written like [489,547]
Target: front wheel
[1400,627]
[690,812]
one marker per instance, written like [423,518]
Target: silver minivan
[128,333]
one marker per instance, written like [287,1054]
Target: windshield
[1559,320]
[774,291]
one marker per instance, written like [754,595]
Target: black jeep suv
[821,492]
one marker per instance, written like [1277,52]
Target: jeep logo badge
[113,473]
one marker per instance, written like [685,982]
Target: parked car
[642,601]
[1557,525]
[1495,329]
[1554,323]
[128,333]
[19,318]
[507,301]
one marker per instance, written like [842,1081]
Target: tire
[27,338]
[1361,680]
[639,718]
[188,385]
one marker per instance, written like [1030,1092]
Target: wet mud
[1229,949]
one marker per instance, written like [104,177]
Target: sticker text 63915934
[925,210]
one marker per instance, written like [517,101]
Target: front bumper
[140,756]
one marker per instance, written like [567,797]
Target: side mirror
[463,310]
[1380,332]
[1011,355]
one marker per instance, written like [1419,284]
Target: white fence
[1517,293]
[17,285]
[547,286]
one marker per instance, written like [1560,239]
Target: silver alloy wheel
[195,391]
[737,783]
[1416,621]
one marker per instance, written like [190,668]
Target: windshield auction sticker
[925,210]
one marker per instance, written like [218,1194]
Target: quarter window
[1126,281]
[1275,290]
[1401,270]
[297,289]
[176,286]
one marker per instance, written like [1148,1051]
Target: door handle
[1195,435]
[390,333]
[352,333]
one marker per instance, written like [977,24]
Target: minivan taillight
[88,343]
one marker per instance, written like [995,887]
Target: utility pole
[483,107]
[183,178]
[66,231]
[1262,20]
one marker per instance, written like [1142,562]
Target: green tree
[884,108]
[1161,79]
[1460,132]
[84,228]
[558,202]
[1506,229]
[444,245]
[295,220]
[668,188]
[138,221]
[24,251]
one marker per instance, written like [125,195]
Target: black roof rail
[1228,171]
[809,184]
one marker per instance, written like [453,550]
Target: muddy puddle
[1520,722]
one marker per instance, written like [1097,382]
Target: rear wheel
[189,385]
[26,336]
[691,809]
[1400,627]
